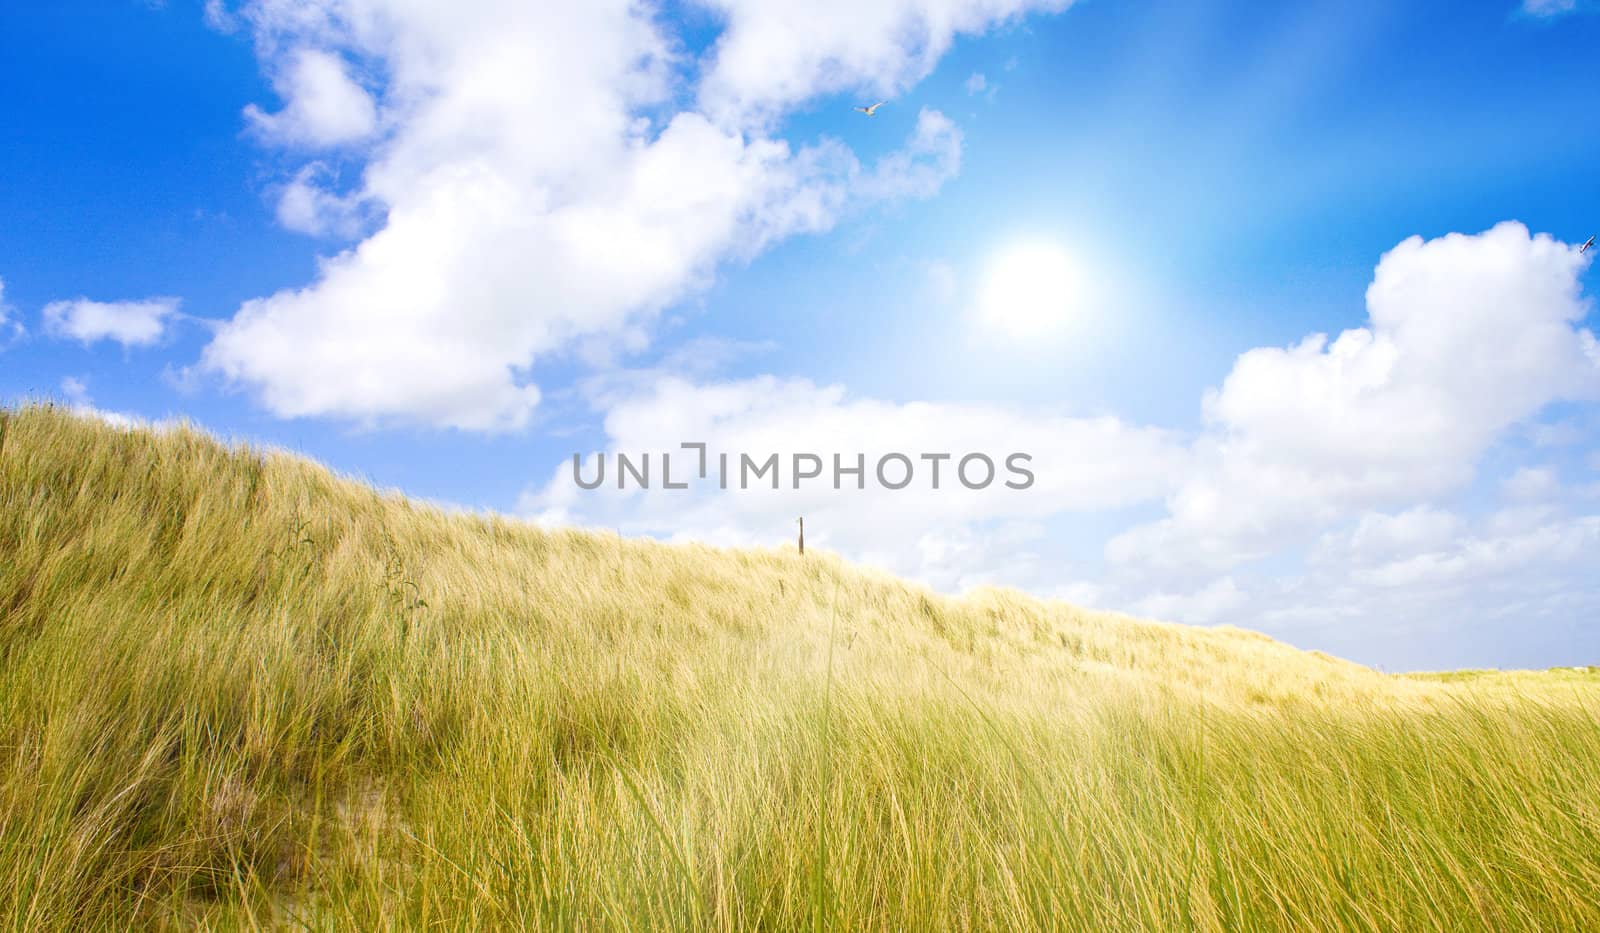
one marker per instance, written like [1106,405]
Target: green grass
[238,691]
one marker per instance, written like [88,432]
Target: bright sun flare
[1031,290]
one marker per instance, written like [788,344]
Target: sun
[1032,290]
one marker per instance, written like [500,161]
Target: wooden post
[802,536]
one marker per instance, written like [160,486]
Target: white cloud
[217,17]
[931,157]
[130,323]
[76,390]
[1495,567]
[1378,536]
[323,107]
[77,393]
[9,329]
[1474,558]
[436,316]
[774,54]
[1549,8]
[1329,457]
[1217,602]
[1501,590]
[536,193]
[951,536]
[1532,484]
[306,206]
[1468,335]
[977,83]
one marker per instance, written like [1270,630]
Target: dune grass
[238,691]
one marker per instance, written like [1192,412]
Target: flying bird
[1585,247]
[870,111]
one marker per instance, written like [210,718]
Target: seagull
[870,111]
[1585,247]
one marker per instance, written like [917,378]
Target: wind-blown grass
[236,690]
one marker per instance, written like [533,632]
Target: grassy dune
[236,690]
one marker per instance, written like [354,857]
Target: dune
[238,690]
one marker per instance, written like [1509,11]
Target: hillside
[237,690]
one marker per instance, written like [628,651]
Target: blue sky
[444,249]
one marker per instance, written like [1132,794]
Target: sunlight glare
[1031,291]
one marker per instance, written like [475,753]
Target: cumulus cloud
[77,393]
[305,205]
[775,54]
[1468,335]
[951,536]
[9,329]
[538,189]
[130,323]
[930,157]
[324,106]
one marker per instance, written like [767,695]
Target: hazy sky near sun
[1284,300]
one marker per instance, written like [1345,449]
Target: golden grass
[238,691]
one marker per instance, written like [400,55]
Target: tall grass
[238,691]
